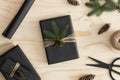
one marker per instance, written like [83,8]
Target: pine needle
[55,28]
[95,11]
[64,32]
[109,6]
[50,34]
[93,5]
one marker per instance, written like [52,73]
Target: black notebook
[59,54]
[10,58]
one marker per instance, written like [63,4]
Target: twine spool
[115,40]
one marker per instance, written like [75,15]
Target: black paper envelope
[59,54]
[13,56]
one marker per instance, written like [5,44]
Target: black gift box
[59,54]
[14,24]
[10,58]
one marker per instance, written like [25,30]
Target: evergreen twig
[99,8]
[56,36]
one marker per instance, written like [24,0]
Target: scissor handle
[112,70]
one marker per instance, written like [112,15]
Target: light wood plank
[29,37]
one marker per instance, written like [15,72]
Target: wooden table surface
[28,37]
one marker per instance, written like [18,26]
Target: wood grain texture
[29,37]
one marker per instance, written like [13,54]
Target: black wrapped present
[58,37]
[24,71]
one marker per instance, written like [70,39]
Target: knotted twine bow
[69,38]
[16,72]
[14,69]
[17,65]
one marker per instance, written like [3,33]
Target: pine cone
[104,28]
[73,2]
[87,77]
[19,74]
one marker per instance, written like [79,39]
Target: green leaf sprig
[57,35]
[99,8]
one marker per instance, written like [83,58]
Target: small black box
[59,54]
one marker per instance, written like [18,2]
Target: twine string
[69,38]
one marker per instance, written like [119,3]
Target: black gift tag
[59,54]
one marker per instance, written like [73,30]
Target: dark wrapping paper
[69,50]
[14,24]
[13,56]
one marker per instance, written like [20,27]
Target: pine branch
[57,35]
[55,28]
[64,32]
[50,34]
[99,12]
[93,5]
[109,6]
[99,8]
[95,11]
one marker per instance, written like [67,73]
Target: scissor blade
[97,65]
[99,62]
[116,72]
[116,65]
[94,65]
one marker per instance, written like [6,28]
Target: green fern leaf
[57,35]
[93,5]
[50,34]
[96,11]
[55,28]
[99,12]
[64,32]
[109,6]
[99,8]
